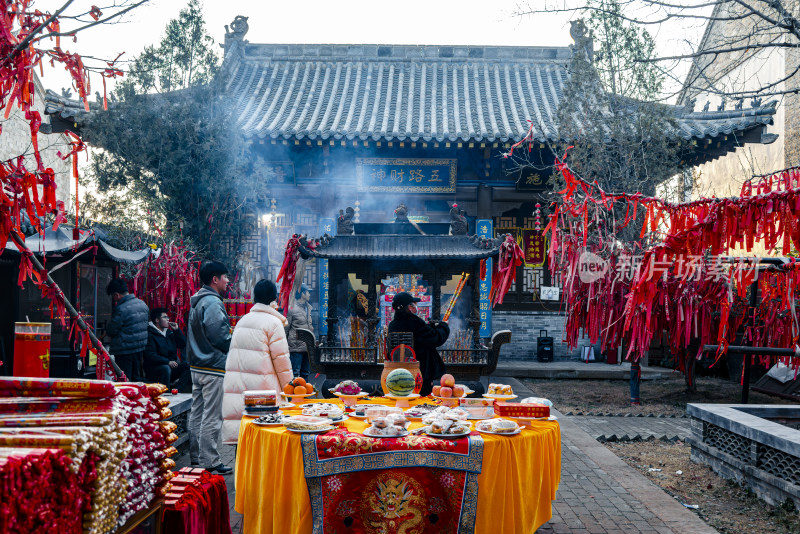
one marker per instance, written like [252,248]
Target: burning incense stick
[457,294]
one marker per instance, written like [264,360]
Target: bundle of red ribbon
[706,304]
[168,281]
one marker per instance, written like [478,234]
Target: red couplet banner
[535,246]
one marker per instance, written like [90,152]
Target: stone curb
[626,414]
[636,437]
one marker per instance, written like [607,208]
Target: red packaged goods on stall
[32,349]
[521,409]
[56,387]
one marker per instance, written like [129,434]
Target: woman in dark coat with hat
[427,336]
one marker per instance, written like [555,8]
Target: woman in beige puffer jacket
[258,359]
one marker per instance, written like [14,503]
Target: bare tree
[723,60]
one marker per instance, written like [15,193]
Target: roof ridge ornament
[583,38]
[235,34]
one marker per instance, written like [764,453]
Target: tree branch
[94,23]
[22,45]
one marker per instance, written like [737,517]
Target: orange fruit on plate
[288,389]
[299,381]
[309,387]
[300,390]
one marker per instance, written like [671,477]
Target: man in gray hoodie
[208,341]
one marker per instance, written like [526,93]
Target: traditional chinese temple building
[373,126]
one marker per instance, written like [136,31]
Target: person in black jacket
[128,329]
[161,363]
[427,336]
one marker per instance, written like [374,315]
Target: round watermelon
[400,382]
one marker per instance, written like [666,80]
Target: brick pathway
[601,494]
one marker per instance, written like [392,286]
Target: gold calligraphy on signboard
[535,180]
[276,172]
[404,175]
[535,248]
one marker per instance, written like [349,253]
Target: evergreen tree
[185,57]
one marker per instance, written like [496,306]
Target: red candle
[32,349]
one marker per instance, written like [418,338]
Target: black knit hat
[265,292]
[403,299]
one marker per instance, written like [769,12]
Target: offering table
[518,477]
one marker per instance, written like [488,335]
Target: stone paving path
[601,494]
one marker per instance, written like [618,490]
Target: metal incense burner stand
[374,252]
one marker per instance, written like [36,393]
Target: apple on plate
[448,381]
[437,391]
[458,391]
[446,391]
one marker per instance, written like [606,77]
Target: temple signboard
[530,180]
[275,172]
[401,175]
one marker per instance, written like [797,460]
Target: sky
[443,22]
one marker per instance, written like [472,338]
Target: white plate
[286,406]
[268,424]
[473,418]
[499,397]
[258,414]
[398,397]
[401,435]
[357,395]
[345,417]
[448,436]
[410,416]
[320,431]
[365,407]
[517,431]
[329,404]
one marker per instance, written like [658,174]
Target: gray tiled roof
[417,93]
[60,241]
[402,247]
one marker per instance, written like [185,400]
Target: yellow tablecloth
[518,480]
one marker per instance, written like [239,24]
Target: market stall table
[516,485]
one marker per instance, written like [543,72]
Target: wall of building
[525,327]
[15,140]
[791,107]
[746,71]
